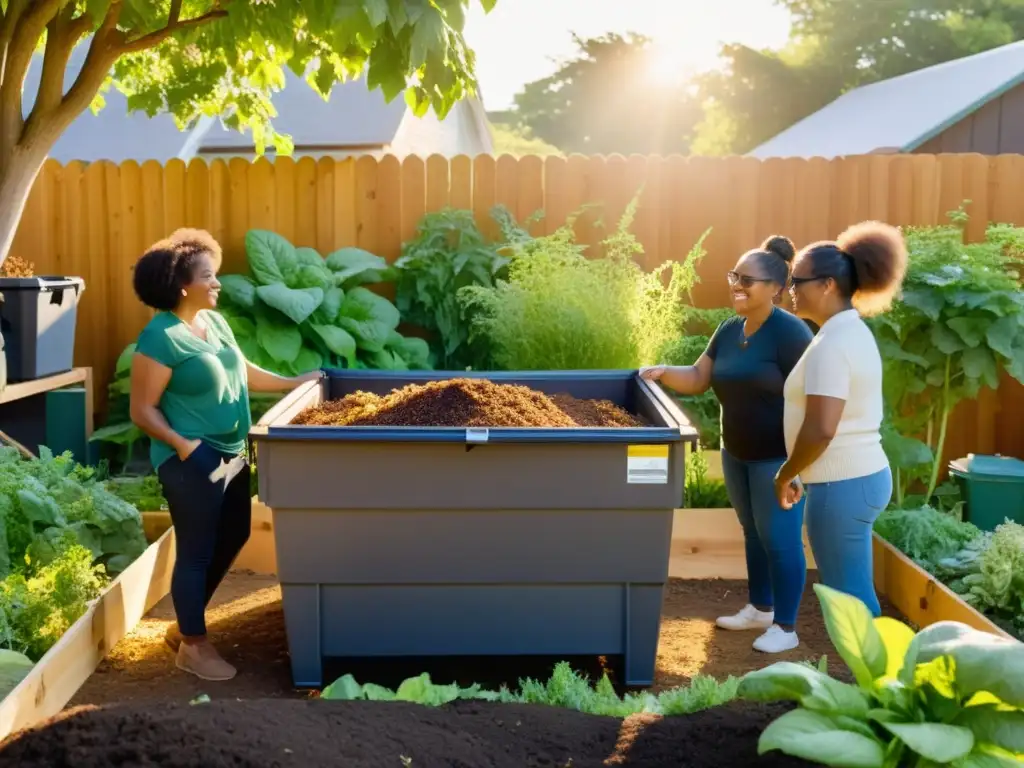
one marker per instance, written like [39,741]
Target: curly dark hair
[868,262]
[774,256]
[169,265]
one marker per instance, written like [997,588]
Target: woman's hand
[788,491]
[652,372]
[311,376]
[187,448]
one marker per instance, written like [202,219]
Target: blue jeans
[840,517]
[776,566]
[211,509]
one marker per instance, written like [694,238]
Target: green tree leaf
[815,737]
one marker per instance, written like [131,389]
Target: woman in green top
[190,393]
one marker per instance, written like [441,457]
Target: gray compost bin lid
[42,284]
[989,467]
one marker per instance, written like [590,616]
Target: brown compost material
[465,402]
[323,734]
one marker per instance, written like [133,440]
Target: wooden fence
[94,220]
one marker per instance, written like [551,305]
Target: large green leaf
[368,317]
[337,340]
[1002,334]
[947,341]
[941,743]
[354,266]
[281,341]
[971,329]
[297,304]
[327,312]
[413,350]
[990,725]
[797,682]
[815,737]
[983,662]
[271,257]
[239,289]
[852,631]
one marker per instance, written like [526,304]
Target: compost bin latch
[475,436]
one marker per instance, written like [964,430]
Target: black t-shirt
[748,381]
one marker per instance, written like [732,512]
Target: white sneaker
[748,618]
[776,640]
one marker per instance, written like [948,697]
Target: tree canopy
[212,57]
[602,101]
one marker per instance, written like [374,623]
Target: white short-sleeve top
[843,362]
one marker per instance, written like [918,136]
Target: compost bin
[438,541]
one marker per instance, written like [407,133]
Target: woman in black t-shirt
[746,364]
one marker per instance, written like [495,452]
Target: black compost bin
[37,320]
[414,541]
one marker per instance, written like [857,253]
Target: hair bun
[781,246]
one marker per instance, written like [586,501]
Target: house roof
[354,116]
[902,113]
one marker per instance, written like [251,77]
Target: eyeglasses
[745,280]
[795,281]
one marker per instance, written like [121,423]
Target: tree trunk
[17,175]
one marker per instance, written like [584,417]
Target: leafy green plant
[960,319]
[559,310]
[42,499]
[296,311]
[924,534]
[700,491]
[989,575]
[449,252]
[142,492]
[949,695]
[566,688]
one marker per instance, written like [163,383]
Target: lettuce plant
[297,311]
[949,695]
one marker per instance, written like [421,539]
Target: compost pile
[367,734]
[465,403]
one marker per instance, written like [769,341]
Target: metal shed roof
[903,112]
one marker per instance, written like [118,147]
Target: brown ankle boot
[203,661]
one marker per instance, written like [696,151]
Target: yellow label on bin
[647,464]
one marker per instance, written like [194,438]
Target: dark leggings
[211,509]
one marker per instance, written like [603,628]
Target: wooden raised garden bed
[68,664]
[708,543]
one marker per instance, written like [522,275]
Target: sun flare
[668,63]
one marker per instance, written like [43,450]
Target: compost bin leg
[302,623]
[643,623]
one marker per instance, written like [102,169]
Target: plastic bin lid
[990,466]
[41,283]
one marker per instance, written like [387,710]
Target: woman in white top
[833,410]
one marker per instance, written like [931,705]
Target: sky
[517,42]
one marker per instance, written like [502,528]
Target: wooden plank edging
[55,680]
[919,596]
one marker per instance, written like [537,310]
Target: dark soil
[465,403]
[276,734]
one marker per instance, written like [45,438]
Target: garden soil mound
[279,734]
[465,403]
